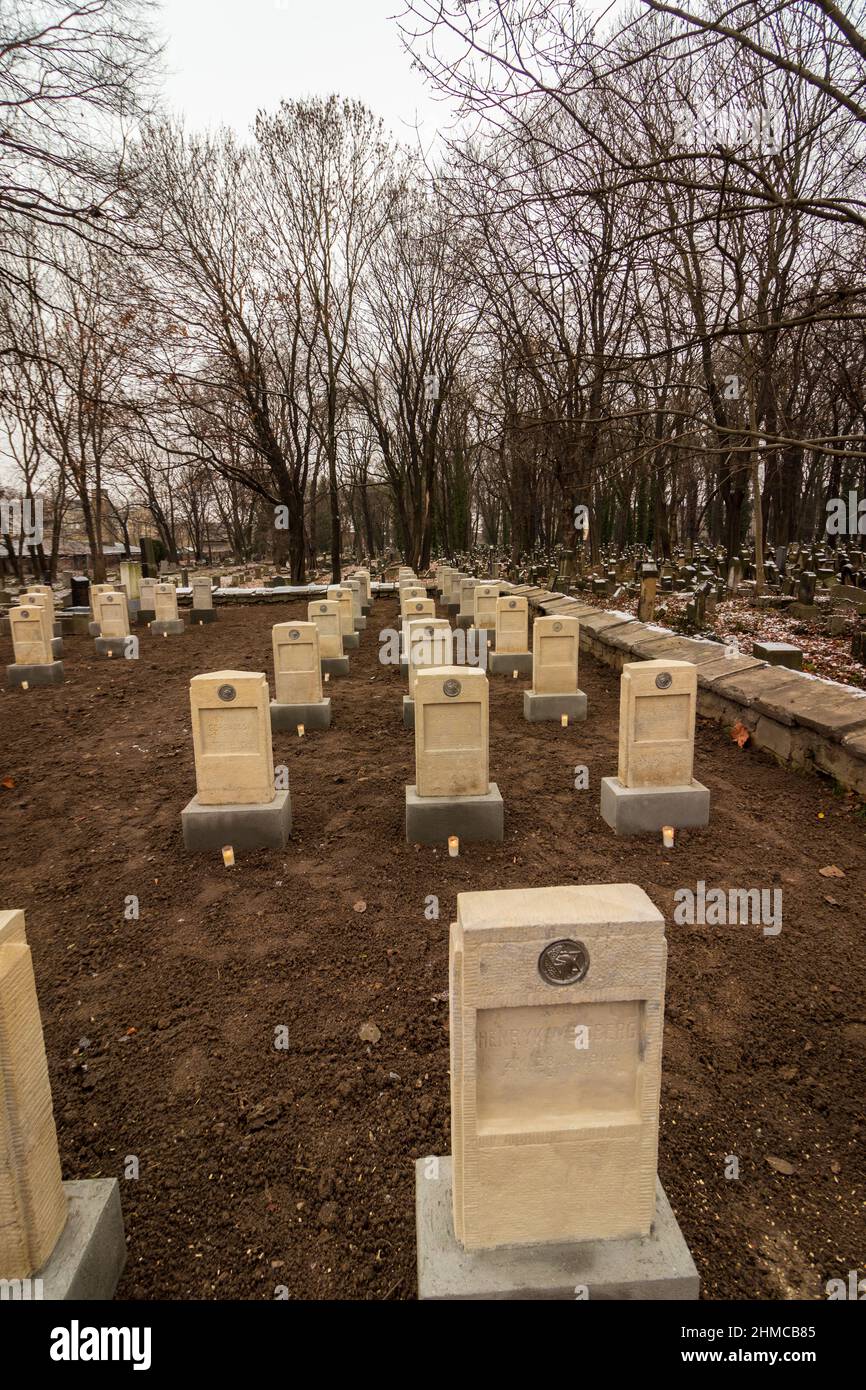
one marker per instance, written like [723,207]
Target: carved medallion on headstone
[563,962]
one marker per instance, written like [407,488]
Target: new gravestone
[167,621]
[147,602]
[555,656]
[44,595]
[112,615]
[551,1191]
[95,591]
[429,642]
[34,660]
[466,612]
[410,611]
[511,637]
[41,597]
[484,613]
[654,786]
[67,1236]
[236,802]
[298,678]
[342,596]
[356,589]
[202,610]
[452,793]
[325,613]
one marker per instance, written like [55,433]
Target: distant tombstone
[647,601]
[202,610]
[167,622]
[325,613]
[806,587]
[342,596]
[147,599]
[429,642]
[113,619]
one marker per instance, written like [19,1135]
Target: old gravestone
[452,794]
[325,613]
[654,786]
[298,678]
[557,1006]
[236,802]
[555,655]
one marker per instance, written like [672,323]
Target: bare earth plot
[262,1168]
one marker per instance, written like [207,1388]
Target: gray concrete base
[366,609]
[475,819]
[351,641]
[335,665]
[49,674]
[110,646]
[170,627]
[504,663]
[404,665]
[539,708]
[202,615]
[654,1267]
[57,647]
[361,624]
[94,629]
[464,620]
[263,826]
[89,1257]
[58,628]
[315,715]
[642,810]
[408,712]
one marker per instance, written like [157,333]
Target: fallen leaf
[360,905]
[740,734]
[780,1165]
[831,871]
[8,783]
[368,1032]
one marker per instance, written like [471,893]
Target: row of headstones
[239,803]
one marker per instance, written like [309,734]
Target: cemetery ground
[261,1167]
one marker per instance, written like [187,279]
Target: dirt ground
[262,1168]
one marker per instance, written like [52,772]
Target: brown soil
[262,1167]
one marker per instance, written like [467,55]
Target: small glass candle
[300,731]
[564,721]
[228,856]
[668,836]
[453,846]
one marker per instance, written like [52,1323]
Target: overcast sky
[226,58]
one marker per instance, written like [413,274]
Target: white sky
[227,58]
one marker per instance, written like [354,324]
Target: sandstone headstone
[236,802]
[654,786]
[166,620]
[452,794]
[511,638]
[555,656]
[33,1204]
[298,678]
[325,613]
